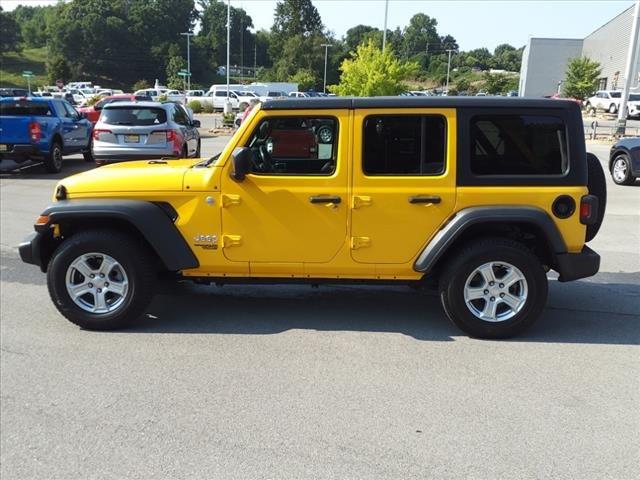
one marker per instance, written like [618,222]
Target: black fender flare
[467,217]
[153,222]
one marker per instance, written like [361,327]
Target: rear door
[404,181]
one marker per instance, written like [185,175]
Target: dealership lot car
[145,130]
[480,196]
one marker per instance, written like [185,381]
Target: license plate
[131,138]
[4,148]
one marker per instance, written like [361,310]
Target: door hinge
[228,200]
[360,242]
[231,241]
[360,201]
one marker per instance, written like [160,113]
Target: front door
[292,208]
[403,182]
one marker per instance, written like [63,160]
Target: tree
[421,35]
[481,58]
[33,23]
[462,84]
[498,83]
[296,17]
[360,34]
[58,69]
[581,79]
[9,32]
[174,65]
[305,78]
[372,72]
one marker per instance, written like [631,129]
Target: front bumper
[29,249]
[572,266]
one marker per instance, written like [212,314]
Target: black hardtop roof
[415,102]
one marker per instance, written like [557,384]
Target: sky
[474,23]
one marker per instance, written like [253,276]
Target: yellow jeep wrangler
[480,197]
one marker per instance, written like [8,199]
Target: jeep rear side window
[518,145]
[294,146]
[404,145]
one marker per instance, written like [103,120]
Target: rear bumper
[22,153]
[572,266]
[121,157]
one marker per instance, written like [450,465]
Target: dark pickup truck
[41,130]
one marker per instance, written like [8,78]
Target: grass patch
[12,64]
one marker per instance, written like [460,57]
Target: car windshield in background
[634,97]
[615,94]
[138,116]
[25,109]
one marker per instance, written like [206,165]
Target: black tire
[53,161]
[88,153]
[629,179]
[198,149]
[185,151]
[472,256]
[613,108]
[135,261]
[597,185]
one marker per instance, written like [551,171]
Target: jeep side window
[404,145]
[294,145]
[518,145]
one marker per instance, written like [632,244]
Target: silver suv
[145,131]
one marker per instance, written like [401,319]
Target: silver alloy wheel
[97,283]
[495,291]
[325,134]
[620,170]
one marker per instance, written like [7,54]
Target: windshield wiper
[208,161]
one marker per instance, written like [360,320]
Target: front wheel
[88,153]
[198,149]
[101,279]
[495,288]
[613,108]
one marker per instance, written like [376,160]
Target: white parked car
[298,95]
[607,100]
[154,94]
[217,96]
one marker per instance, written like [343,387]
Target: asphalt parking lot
[335,382]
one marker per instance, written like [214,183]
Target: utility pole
[384,33]
[255,57]
[629,71]
[326,53]
[449,50]
[227,105]
[241,49]
[188,35]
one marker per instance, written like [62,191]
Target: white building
[544,60]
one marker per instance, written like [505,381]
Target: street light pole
[449,50]
[188,35]
[326,53]
[384,33]
[629,71]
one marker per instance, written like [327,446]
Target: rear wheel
[597,185]
[495,288]
[53,161]
[101,279]
[613,108]
[621,170]
[198,148]
[185,152]
[88,153]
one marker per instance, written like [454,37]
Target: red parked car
[92,113]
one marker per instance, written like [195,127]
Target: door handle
[431,199]
[325,199]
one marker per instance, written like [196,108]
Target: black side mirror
[195,123]
[241,163]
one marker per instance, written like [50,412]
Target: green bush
[207,107]
[195,105]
